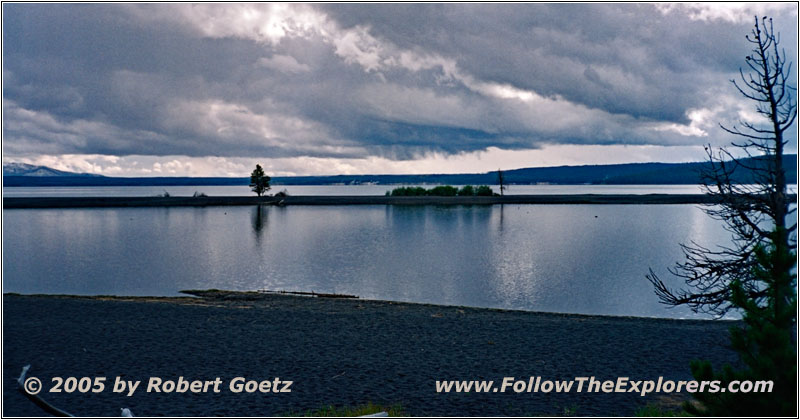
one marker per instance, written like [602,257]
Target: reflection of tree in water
[260,218]
[501,218]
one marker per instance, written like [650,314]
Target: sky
[322,89]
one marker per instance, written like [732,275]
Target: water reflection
[581,258]
[500,225]
[259,218]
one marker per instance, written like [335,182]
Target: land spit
[341,352]
[311,200]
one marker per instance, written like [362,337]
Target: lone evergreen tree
[756,275]
[259,181]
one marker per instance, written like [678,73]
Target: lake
[589,259]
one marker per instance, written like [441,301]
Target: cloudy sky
[212,89]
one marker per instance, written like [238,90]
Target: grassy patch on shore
[443,191]
[395,410]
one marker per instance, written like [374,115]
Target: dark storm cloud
[656,62]
[360,80]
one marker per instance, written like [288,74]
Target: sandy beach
[340,352]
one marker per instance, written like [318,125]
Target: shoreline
[233,296]
[77,202]
[340,352]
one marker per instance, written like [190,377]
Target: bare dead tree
[501,179]
[750,186]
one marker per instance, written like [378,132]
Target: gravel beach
[338,352]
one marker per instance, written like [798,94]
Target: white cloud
[358,46]
[701,120]
[736,12]
[283,63]
[265,23]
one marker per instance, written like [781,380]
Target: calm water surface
[589,259]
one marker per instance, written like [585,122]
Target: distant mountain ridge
[626,173]
[24,169]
